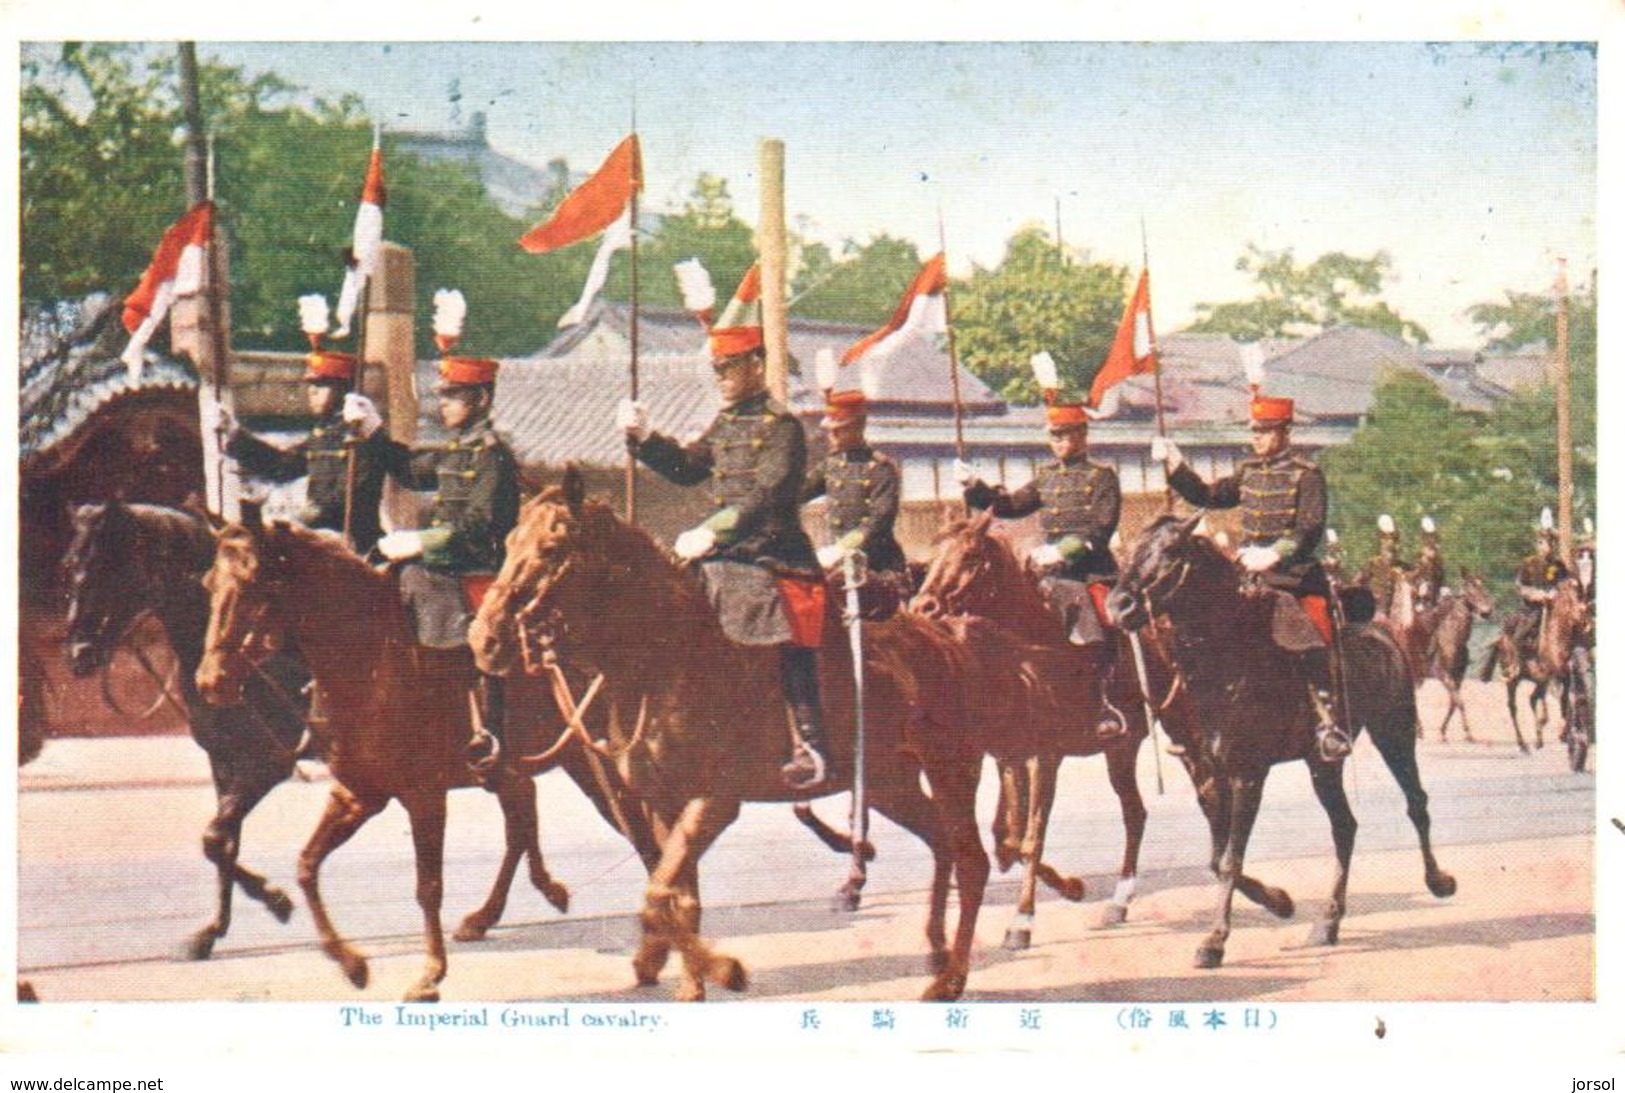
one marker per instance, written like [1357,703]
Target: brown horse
[1436,640]
[397,714]
[1256,710]
[699,723]
[1565,622]
[974,572]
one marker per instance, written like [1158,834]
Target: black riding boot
[485,745]
[810,765]
[1111,722]
[1333,743]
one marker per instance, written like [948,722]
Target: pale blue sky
[1473,171]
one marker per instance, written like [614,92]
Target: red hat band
[1271,411]
[1065,415]
[730,341]
[466,371]
[328,364]
[844,406]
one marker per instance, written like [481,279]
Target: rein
[140,654]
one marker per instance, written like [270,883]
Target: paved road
[111,882]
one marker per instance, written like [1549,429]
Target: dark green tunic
[323,456]
[1283,506]
[1078,503]
[476,496]
[864,488]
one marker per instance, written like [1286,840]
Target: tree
[1334,289]
[864,287]
[1037,299]
[706,229]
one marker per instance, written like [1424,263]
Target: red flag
[365,242]
[176,270]
[1131,353]
[592,206]
[922,310]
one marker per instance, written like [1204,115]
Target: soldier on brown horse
[1255,710]
[1435,640]
[696,721]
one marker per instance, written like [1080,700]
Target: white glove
[694,543]
[1046,555]
[830,555]
[1166,450]
[1255,559]
[397,546]
[962,473]
[632,418]
[361,415]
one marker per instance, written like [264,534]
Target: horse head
[566,559]
[1158,568]
[1475,594]
[247,586]
[1569,621]
[968,570]
[104,591]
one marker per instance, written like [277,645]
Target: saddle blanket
[758,607]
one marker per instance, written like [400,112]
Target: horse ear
[575,488]
[1188,527]
[982,520]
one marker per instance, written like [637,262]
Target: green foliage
[1037,299]
[864,287]
[1334,289]
[706,229]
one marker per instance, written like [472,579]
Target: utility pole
[1565,442]
[770,244]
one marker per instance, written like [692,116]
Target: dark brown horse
[699,723]
[1565,622]
[1436,640]
[130,561]
[974,572]
[397,715]
[1257,711]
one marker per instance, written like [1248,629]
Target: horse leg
[1512,709]
[838,841]
[517,796]
[222,841]
[954,796]
[1010,813]
[1328,782]
[1400,756]
[672,905]
[1212,796]
[1120,763]
[902,802]
[1245,795]
[654,943]
[1537,710]
[344,815]
[1040,799]
[427,811]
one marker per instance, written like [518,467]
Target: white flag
[617,236]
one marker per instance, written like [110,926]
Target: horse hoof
[690,992]
[558,895]
[947,987]
[1524,748]
[1113,914]
[938,961]
[848,900]
[1209,956]
[422,993]
[471,929]
[201,946]
[1005,857]
[1442,885]
[729,974]
[1324,933]
[1072,890]
[355,970]
[1016,940]
[647,975]
[279,904]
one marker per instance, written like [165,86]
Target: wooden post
[1565,439]
[389,343]
[770,244]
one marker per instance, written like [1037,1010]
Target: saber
[1153,726]
[854,574]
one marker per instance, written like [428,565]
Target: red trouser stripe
[804,604]
[1098,593]
[1315,607]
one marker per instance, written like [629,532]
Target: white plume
[869,380]
[694,282]
[313,313]
[1385,524]
[1252,360]
[1428,526]
[449,311]
[1546,522]
[1591,529]
[1331,537]
[825,368]
[1045,372]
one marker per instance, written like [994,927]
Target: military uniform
[1381,571]
[864,488]
[1537,577]
[1428,576]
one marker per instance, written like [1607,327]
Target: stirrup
[807,769]
[1333,743]
[483,752]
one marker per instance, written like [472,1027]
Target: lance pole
[1152,725]
[854,573]
[1156,358]
[632,460]
[953,357]
[363,304]
[1565,437]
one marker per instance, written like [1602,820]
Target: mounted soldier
[759,567]
[864,488]
[1078,502]
[1537,580]
[345,477]
[447,566]
[1282,497]
[1428,573]
[1385,567]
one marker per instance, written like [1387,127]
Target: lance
[1152,725]
[854,573]
[1156,358]
[953,357]
[363,302]
[632,227]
